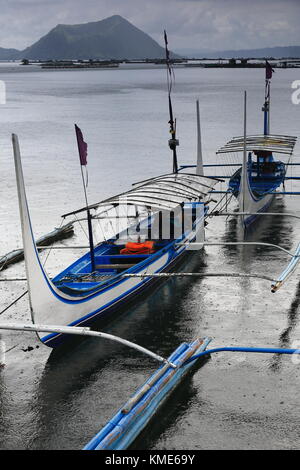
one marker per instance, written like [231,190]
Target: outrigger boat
[96,284]
[256,182]
[168,215]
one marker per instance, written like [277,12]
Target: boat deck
[109,264]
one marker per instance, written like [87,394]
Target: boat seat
[132,256]
[114,266]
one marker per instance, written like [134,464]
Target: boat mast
[266,107]
[173,142]
[199,169]
[82,149]
[244,175]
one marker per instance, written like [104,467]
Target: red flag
[269,71]
[82,146]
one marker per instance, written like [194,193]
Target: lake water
[234,401]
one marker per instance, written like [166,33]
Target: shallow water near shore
[53,400]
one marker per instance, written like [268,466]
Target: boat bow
[44,296]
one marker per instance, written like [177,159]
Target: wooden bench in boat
[114,266]
[118,261]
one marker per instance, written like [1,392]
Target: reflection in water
[269,229]
[92,378]
[4,415]
[80,376]
[284,338]
[254,258]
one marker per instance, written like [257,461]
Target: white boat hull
[250,203]
[49,305]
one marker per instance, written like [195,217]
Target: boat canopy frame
[282,144]
[165,192]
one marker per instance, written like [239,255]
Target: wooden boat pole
[244,175]
[75,330]
[90,228]
[266,107]
[173,142]
[269,106]
[199,169]
[83,162]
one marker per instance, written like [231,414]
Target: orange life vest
[133,248]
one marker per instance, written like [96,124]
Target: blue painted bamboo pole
[243,349]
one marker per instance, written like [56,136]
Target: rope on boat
[51,247]
[242,349]
[16,300]
[225,205]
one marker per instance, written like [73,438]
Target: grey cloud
[207,24]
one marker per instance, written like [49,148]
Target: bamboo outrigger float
[133,417]
[125,426]
[130,420]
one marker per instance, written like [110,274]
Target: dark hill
[111,38]
[9,54]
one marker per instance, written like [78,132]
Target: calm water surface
[59,401]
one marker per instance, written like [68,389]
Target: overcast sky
[196,24]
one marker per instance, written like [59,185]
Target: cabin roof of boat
[165,192]
[272,143]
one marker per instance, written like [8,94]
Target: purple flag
[269,71]
[82,146]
